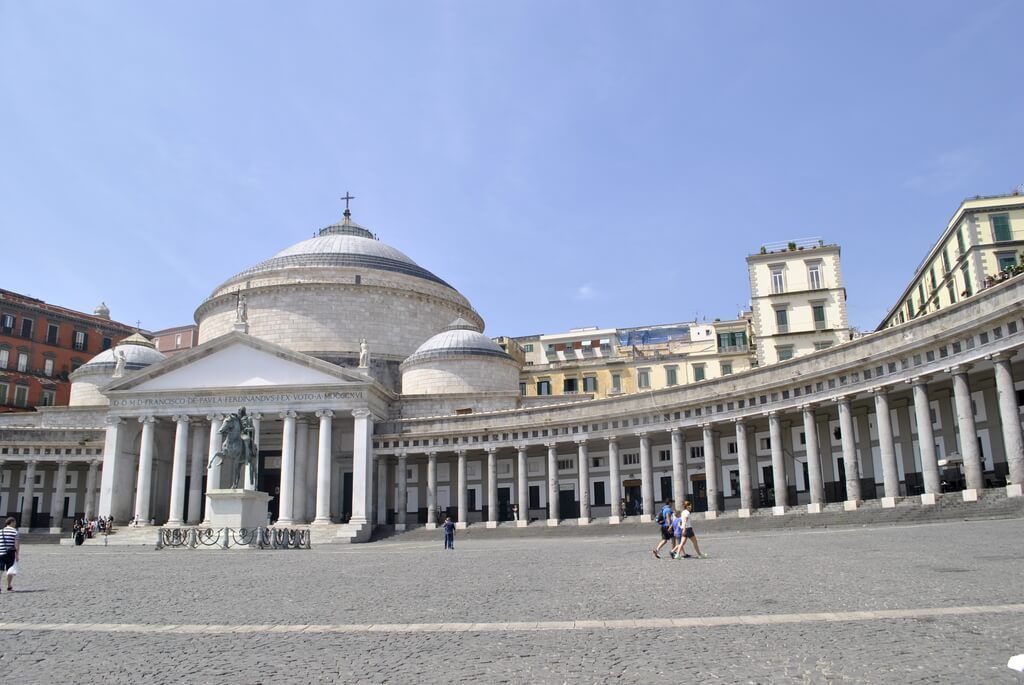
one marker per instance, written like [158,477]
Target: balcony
[733,349]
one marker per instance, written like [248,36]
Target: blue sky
[562,164]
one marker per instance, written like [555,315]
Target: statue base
[236,508]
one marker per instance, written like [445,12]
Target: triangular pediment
[237,360]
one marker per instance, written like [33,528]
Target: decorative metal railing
[231,538]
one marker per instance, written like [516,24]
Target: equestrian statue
[239,446]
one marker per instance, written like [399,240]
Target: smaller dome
[138,351]
[459,339]
[102,311]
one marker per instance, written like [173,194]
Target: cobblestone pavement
[761,576]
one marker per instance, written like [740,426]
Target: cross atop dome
[347,198]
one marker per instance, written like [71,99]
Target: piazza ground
[915,603]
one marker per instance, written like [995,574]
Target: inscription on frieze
[206,400]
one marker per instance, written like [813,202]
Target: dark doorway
[568,507]
[699,498]
[633,500]
[346,497]
[504,504]
[534,498]
[768,490]
[666,488]
[599,496]
[472,499]
[269,480]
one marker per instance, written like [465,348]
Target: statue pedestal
[237,508]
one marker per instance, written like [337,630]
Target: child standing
[449,533]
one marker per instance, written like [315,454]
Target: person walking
[449,533]
[664,521]
[10,550]
[688,534]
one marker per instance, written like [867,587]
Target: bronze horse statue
[239,446]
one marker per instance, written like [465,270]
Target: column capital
[256,416]
[215,417]
[403,455]
[432,454]
[362,413]
[957,369]
[62,463]
[879,390]
[707,426]
[740,421]
[521,448]
[918,380]
[809,406]
[95,463]
[181,418]
[582,442]
[113,420]
[1003,356]
[324,413]
[676,431]
[288,414]
[461,452]
[613,439]
[841,400]
[772,414]
[149,418]
[642,435]
[491,450]
[551,445]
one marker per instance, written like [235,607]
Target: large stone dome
[460,360]
[324,294]
[88,379]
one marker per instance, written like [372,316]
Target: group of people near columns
[675,526]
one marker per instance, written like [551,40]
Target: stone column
[1009,418]
[301,467]
[522,471]
[615,476]
[402,505]
[89,506]
[926,440]
[26,502]
[285,515]
[712,471]
[583,456]
[778,464]
[817,484]
[177,509]
[111,497]
[463,491]
[144,484]
[383,466]
[678,467]
[57,503]
[743,460]
[492,487]
[968,434]
[886,448]
[646,478]
[195,485]
[362,465]
[251,470]
[552,484]
[851,462]
[431,489]
[213,469]
[323,467]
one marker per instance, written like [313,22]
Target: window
[47,398]
[819,316]
[1006,260]
[80,340]
[910,307]
[22,362]
[5,356]
[528,347]
[945,260]
[1001,227]
[951,291]
[3,394]
[26,328]
[697,452]
[931,277]
[726,368]
[960,240]
[52,330]
[735,341]
[671,375]
[778,281]
[814,276]
[920,295]
[522,389]
[967,281]
[48,367]
[566,464]
[177,340]
[570,386]
[784,352]
[616,383]
[590,384]
[543,387]
[765,444]
[20,396]
[7,324]
[699,372]
[643,378]
[664,456]
[630,458]
[107,342]
[782,320]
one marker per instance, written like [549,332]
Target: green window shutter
[1001,227]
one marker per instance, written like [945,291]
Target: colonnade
[19,498]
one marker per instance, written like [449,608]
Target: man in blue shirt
[665,525]
[449,533]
